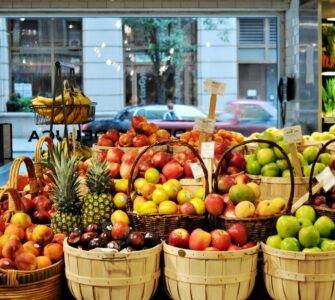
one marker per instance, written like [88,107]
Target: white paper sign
[207,149]
[204,125]
[197,170]
[292,134]
[326,178]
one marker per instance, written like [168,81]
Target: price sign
[292,135]
[197,171]
[204,125]
[326,178]
[214,87]
[207,149]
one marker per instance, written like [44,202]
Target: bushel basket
[160,224]
[259,228]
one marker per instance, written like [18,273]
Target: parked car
[244,116]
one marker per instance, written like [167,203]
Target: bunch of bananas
[77,107]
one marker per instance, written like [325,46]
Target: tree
[167,44]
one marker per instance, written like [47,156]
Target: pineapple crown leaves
[98,178]
[66,184]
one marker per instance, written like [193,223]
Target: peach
[26,261]
[42,234]
[29,232]
[199,239]
[6,263]
[54,251]
[32,248]
[43,262]
[59,238]
[13,229]
[5,238]
[21,219]
[11,249]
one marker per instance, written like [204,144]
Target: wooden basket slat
[202,275]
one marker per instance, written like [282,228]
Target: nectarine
[11,249]
[54,251]
[26,261]
[43,262]
[29,232]
[13,229]
[42,234]
[32,248]
[21,219]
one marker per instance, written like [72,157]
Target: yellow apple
[199,193]
[184,196]
[138,201]
[278,204]
[119,216]
[159,196]
[199,205]
[148,207]
[121,185]
[176,183]
[255,187]
[170,189]
[139,183]
[265,208]
[168,208]
[244,209]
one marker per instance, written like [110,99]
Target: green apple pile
[270,162]
[304,232]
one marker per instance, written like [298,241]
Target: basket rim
[21,272]
[195,254]
[331,210]
[298,255]
[265,218]
[279,179]
[170,216]
[104,255]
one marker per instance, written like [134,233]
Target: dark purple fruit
[105,237]
[78,230]
[124,243]
[114,245]
[106,226]
[73,239]
[87,237]
[91,228]
[127,250]
[136,239]
[150,239]
[94,243]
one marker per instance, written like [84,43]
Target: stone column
[4,65]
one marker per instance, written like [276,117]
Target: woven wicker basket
[321,211]
[100,275]
[259,228]
[38,284]
[162,225]
[209,275]
[38,154]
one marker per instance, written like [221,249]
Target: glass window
[35,45]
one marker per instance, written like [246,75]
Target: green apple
[325,158]
[328,245]
[290,244]
[318,168]
[253,167]
[312,250]
[286,173]
[274,241]
[265,156]
[309,236]
[304,222]
[285,148]
[332,129]
[282,164]
[151,175]
[250,157]
[325,225]
[254,135]
[241,192]
[310,153]
[287,226]
[307,212]
[270,170]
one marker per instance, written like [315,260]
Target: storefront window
[35,45]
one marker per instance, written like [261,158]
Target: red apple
[147,156]
[242,179]
[41,217]
[120,230]
[160,159]
[225,183]
[162,178]
[114,155]
[332,205]
[214,204]
[187,209]
[180,157]
[238,234]
[27,202]
[233,247]
[113,135]
[232,170]
[187,168]
[227,200]
[141,140]
[42,203]
[319,200]
[219,149]
[130,156]
[125,169]
[172,170]
[199,239]
[143,166]
[114,169]
[179,238]
[125,140]
[220,239]
[102,156]
[189,155]
[136,121]
[249,245]
[103,140]
[237,160]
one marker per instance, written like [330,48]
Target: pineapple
[65,193]
[97,203]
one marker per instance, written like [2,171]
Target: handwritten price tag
[204,125]
[326,178]
[214,87]
[292,135]
[207,150]
[197,171]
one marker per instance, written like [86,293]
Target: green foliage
[328,38]
[16,103]
[328,97]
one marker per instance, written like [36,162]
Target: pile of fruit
[77,110]
[270,162]
[223,140]
[25,246]
[117,236]
[142,133]
[304,232]
[324,199]
[234,239]
[241,199]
